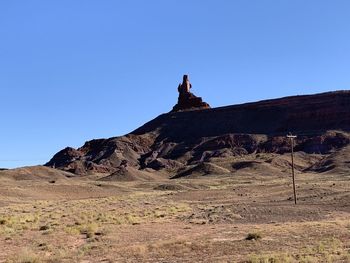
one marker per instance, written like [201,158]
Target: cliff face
[174,140]
[302,114]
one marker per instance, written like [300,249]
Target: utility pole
[292,137]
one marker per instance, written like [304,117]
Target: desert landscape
[52,216]
[197,184]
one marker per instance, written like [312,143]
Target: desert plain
[48,215]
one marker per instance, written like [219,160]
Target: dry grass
[208,222]
[25,256]
[327,251]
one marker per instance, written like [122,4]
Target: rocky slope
[176,141]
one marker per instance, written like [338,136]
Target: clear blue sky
[75,70]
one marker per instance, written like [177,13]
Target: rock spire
[187,100]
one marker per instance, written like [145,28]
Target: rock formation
[187,100]
[177,140]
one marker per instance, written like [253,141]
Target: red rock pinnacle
[187,100]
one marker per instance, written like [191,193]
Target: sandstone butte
[193,133]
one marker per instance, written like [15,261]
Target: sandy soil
[203,219]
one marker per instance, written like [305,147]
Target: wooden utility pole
[292,137]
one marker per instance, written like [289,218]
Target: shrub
[43,228]
[253,236]
[88,230]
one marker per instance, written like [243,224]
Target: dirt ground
[206,219]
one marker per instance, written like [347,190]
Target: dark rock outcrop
[176,139]
[187,100]
[103,155]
